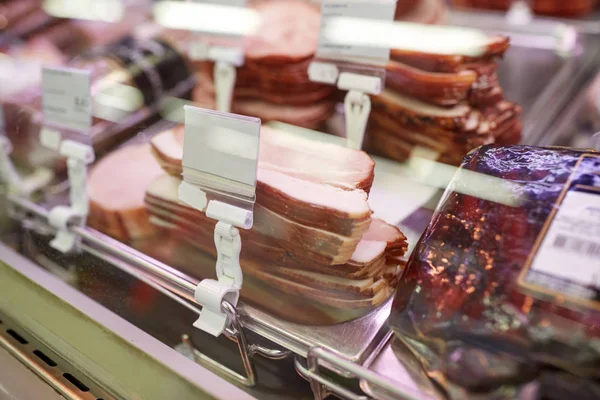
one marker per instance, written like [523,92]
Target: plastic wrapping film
[128,77]
[500,296]
[313,242]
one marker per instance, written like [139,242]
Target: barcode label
[577,245]
[565,263]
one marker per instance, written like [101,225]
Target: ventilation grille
[48,365]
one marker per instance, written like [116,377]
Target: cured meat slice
[458,119]
[288,32]
[446,89]
[490,48]
[571,8]
[381,231]
[310,117]
[264,258]
[325,236]
[289,154]
[398,124]
[116,187]
[420,11]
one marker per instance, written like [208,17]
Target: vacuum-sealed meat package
[141,73]
[501,296]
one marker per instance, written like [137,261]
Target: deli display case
[300,199]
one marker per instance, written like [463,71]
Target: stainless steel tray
[407,373]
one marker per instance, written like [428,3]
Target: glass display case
[300,199]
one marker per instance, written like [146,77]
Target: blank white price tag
[346,26]
[66,98]
[220,150]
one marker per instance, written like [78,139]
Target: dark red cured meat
[459,295]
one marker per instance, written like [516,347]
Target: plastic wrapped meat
[501,294]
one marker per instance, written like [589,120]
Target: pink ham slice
[330,237]
[264,258]
[116,187]
[288,32]
[289,154]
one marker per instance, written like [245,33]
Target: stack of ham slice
[273,83]
[420,11]
[313,233]
[448,103]
[561,8]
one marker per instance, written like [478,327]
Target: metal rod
[186,284]
[236,333]
[318,380]
[128,254]
[272,354]
[141,276]
[318,353]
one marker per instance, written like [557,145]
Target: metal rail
[181,287]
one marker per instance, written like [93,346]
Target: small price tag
[66,99]
[220,151]
[349,30]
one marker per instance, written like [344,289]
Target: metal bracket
[322,386]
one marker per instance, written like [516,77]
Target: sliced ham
[420,11]
[288,154]
[326,236]
[288,32]
[116,187]
[493,47]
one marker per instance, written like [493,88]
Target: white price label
[350,30]
[66,98]
[221,149]
[567,261]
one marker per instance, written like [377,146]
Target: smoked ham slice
[361,282]
[449,103]
[288,32]
[282,214]
[116,187]
[489,49]
[273,83]
[562,8]
[288,154]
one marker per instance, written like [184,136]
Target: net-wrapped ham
[500,296]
